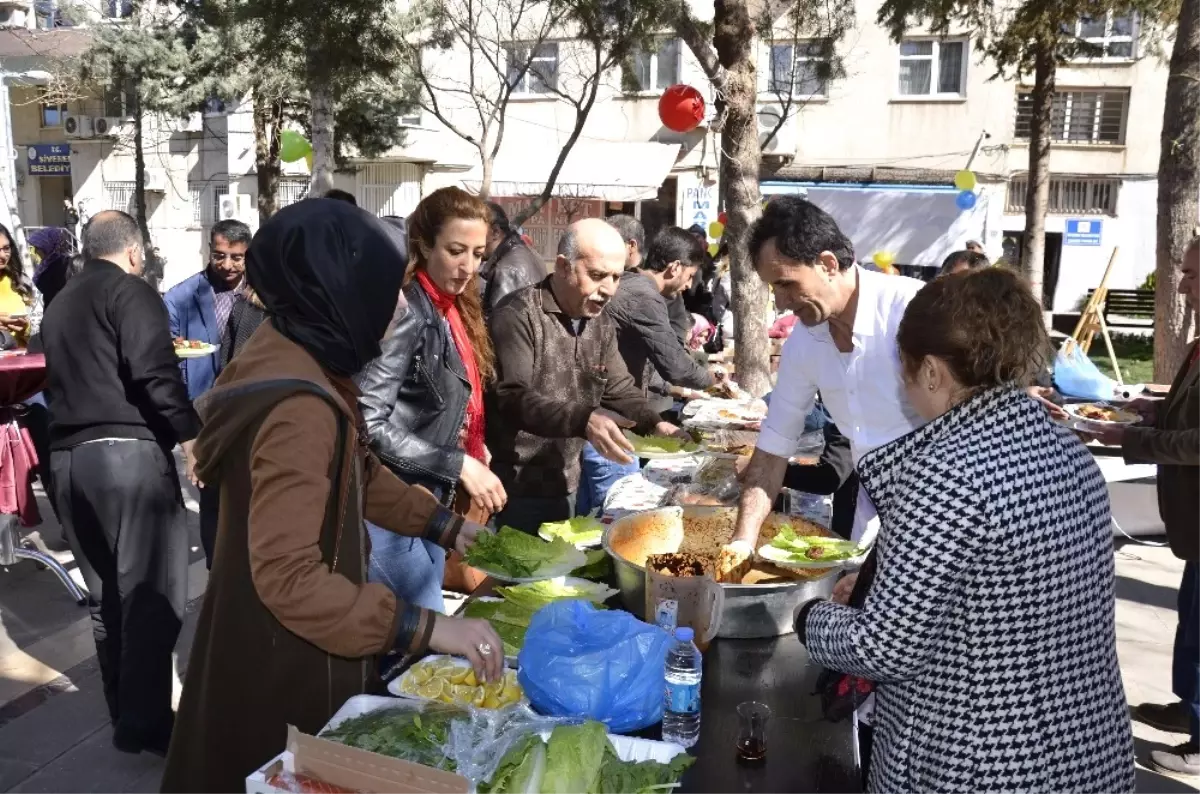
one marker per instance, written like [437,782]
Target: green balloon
[293,146]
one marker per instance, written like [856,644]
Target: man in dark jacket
[117,408]
[510,264]
[560,380]
[634,234]
[648,344]
[1170,437]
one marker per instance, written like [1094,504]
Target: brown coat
[290,628]
[1174,444]
[549,380]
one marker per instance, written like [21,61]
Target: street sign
[49,159]
[1081,232]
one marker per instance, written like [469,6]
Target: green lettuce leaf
[598,567]
[535,595]
[509,620]
[812,548]
[511,552]
[642,777]
[574,756]
[521,769]
[577,530]
[660,444]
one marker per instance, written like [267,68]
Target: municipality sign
[49,159]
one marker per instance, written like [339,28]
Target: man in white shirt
[843,347]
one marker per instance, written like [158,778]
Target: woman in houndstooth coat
[989,628]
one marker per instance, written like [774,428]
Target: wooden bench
[1128,308]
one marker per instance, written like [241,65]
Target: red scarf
[473,442]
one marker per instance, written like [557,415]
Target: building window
[542,75]
[119,196]
[206,201]
[933,68]
[116,9]
[655,70]
[291,189]
[1113,35]
[1069,196]
[53,115]
[119,100]
[801,69]
[1079,116]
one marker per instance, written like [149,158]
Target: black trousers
[210,509]
[122,508]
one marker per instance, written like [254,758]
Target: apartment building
[878,147]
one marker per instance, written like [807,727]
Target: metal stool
[11,551]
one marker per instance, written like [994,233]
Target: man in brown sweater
[560,380]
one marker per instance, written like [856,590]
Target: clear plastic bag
[607,665]
[1077,376]
[478,744]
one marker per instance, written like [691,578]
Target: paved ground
[54,733]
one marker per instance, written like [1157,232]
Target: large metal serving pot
[751,610]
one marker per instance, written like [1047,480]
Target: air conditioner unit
[156,181]
[12,16]
[76,126]
[108,126]
[783,143]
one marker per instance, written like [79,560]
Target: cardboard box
[351,768]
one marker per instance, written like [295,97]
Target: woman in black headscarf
[290,627]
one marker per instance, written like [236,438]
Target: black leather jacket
[414,399]
[511,267]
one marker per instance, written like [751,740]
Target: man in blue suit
[199,307]
[199,310]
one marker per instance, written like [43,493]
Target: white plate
[779,557]
[1126,418]
[196,352]
[395,684]
[681,454]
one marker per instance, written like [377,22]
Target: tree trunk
[1037,197]
[268,119]
[322,123]
[734,38]
[485,179]
[153,271]
[1178,193]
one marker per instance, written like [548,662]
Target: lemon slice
[431,690]
[459,675]
[420,674]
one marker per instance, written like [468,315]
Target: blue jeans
[597,474]
[412,568]
[1185,667]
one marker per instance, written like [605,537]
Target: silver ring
[485,648]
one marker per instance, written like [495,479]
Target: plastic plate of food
[450,679]
[1101,414]
[790,550]
[583,532]
[190,348]
[661,447]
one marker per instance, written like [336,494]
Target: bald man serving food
[560,380]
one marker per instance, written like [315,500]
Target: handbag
[842,693]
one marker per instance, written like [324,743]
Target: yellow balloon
[716,229]
[713,248]
[965,180]
[884,259]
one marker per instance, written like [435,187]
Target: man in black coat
[510,264]
[118,406]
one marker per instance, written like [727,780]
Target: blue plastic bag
[605,665]
[1076,376]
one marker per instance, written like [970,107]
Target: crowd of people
[385,389]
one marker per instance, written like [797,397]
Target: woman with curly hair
[422,399]
[989,628]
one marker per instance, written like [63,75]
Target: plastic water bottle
[681,708]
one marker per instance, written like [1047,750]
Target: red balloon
[723,217]
[681,108]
